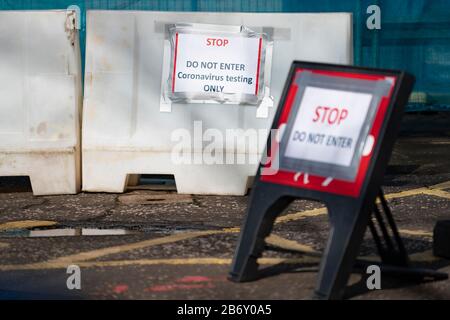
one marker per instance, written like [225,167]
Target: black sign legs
[347,231]
[395,260]
[389,243]
[346,234]
[348,222]
[265,206]
[336,128]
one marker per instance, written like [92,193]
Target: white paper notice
[327,125]
[211,64]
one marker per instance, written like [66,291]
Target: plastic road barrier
[40,99]
[144,71]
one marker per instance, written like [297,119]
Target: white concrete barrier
[127,129]
[40,100]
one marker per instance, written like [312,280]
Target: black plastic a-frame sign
[335,130]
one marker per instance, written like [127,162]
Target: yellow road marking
[26,224]
[438,193]
[278,241]
[3,245]
[443,185]
[421,233]
[425,256]
[93,254]
[301,215]
[406,193]
[142,262]
[433,190]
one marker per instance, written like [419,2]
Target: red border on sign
[175,62]
[259,65]
[316,183]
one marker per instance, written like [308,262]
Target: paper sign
[216,64]
[328,125]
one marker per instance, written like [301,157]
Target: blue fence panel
[414,34]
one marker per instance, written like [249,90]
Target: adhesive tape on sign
[216,66]
[368,146]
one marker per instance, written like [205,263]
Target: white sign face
[216,64]
[328,125]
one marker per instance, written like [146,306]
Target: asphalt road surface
[151,243]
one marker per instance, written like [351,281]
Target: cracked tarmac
[183,244]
